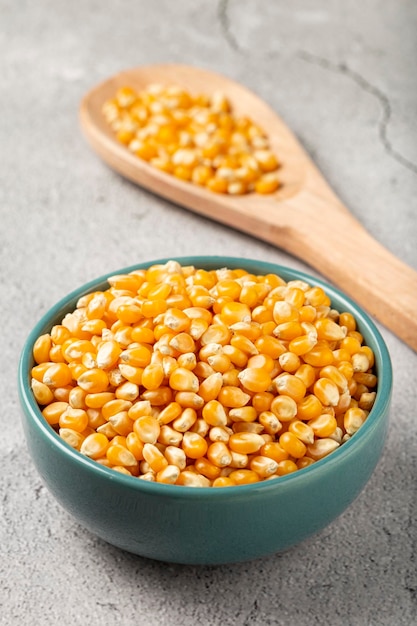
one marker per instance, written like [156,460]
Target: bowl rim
[67,303]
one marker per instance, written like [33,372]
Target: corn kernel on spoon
[303,217]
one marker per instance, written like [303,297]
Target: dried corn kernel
[203,142]
[204,378]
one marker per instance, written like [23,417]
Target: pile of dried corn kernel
[204,378]
[195,138]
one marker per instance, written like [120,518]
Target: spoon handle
[338,246]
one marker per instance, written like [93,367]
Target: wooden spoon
[304,217]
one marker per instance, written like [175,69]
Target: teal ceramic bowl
[206,525]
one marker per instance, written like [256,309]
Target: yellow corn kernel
[43,394]
[233,312]
[284,408]
[237,357]
[41,348]
[302,431]
[323,425]
[169,437]
[353,419]
[158,397]
[210,387]
[244,476]
[275,451]
[194,445]
[305,461]
[347,319]
[223,481]
[59,334]
[114,406]
[153,376]
[135,445]
[220,363]
[131,373]
[267,184]
[182,379]
[121,423]
[239,461]
[176,456]
[220,433]
[270,422]
[326,391]
[321,448]
[127,391]
[171,412]
[95,445]
[142,334]
[214,414]
[168,475]
[368,352]
[182,342]
[192,479]
[271,346]
[289,385]
[62,393]
[286,467]
[108,354]
[255,379]
[96,400]
[360,362]
[93,381]
[294,446]
[76,419]
[233,397]
[119,455]
[57,375]
[366,400]
[219,454]
[147,428]
[74,349]
[55,354]
[216,333]
[334,374]
[289,362]
[309,408]
[351,344]
[139,356]
[71,437]
[52,412]
[207,468]
[246,442]
[189,399]
[39,370]
[319,356]
[154,457]
[185,421]
[187,360]
[329,330]
[365,378]
[76,398]
[264,466]
[243,414]
[262,401]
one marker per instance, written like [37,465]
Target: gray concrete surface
[343,77]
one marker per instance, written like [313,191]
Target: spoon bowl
[303,217]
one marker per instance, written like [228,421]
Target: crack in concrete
[223,15]
[339,68]
[342,68]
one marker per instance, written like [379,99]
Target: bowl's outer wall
[174,528]
[237,524]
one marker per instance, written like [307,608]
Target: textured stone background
[343,77]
